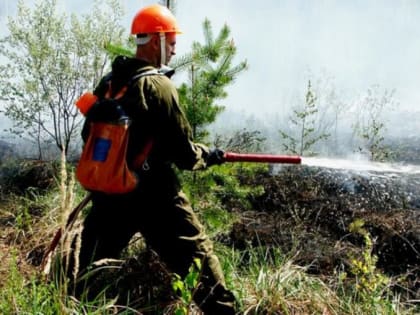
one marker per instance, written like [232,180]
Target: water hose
[262,158]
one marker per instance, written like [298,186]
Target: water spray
[333,163]
[358,164]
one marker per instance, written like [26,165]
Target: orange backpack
[103,164]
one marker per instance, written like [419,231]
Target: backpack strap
[123,90]
[153,71]
[117,96]
[140,161]
[166,71]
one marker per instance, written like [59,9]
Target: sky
[356,44]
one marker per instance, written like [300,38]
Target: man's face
[170,44]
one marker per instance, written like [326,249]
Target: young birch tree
[304,121]
[51,59]
[370,125]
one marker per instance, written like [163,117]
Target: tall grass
[264,279]
[267,281]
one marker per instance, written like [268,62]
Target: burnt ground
[309,209]
[303,210]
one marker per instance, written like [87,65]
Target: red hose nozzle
[262,158]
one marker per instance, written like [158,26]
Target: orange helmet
[155,18]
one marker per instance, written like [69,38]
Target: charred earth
[308,210]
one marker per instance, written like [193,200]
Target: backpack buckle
[145,166]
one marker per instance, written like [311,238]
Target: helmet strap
[162,48]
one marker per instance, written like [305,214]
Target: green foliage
[53,60]
[241,141]
[216,193]
[33,295]
[371,126]
[371,284]
[304,122]
[271,284]
[23,219]
[20,296]
[186,287]
[210,70]
[223,184]
[115,50]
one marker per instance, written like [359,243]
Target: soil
[310,209]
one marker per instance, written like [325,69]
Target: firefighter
[157,208]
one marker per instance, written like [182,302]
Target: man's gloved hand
[215,157]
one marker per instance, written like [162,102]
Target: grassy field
[267,278]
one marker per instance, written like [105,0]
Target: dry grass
[266,282]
